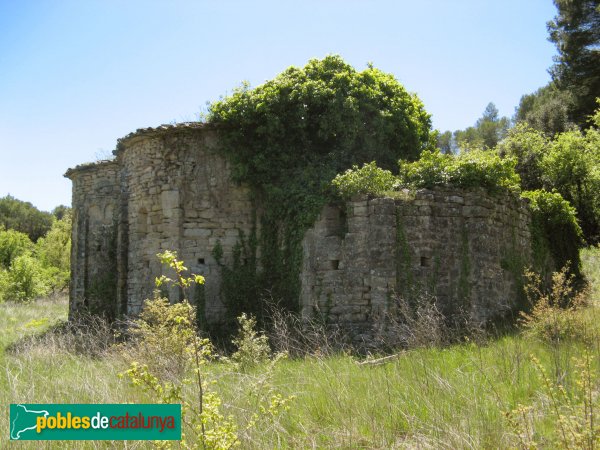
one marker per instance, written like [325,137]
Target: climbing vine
[290,136]
[555,230]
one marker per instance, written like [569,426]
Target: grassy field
[487,394]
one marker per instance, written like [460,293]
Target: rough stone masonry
[169,189]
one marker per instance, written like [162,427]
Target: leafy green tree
[546,110]
[571,166]
[445,142]
[24,280]
[489,129]
[12,245]
[54,252]
[527,145]
[568,163]
[575,31]
[60,211]
[24,217]
[54,249]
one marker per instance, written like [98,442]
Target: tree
[571,166]
[445,142]
[546,110]
[575,31]
[489,129]
[568,163]
[12,245]
[528,146]
[54,252]
[24,280]
[60,211]
[492,128]
[24,217]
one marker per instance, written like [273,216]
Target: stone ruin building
[169,189]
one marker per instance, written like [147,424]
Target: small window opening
[425,261]
[335,264]
[201,261]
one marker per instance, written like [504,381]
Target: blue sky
[77,75]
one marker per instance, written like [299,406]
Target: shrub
[54,252]
[12,245]
[415,322]
[555,227]
[476,168]
[431,169]
[252,347]
[571,166]
[553,318]
[164,335]
[326,111]
[527,145]
[572,410]
[24,280]
[369,179]
[167,334]
[292,334]
[3,284]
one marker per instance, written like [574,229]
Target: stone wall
[168,189]
[180,197]
[96,211]
[464,248]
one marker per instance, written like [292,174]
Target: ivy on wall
[555,230]
[287,139]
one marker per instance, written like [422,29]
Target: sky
[77,75]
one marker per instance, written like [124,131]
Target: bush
[252,347]
[54,252]
[476,168]
[164,335]
[555,228]
[553,318]
[369,179]
[24,280]
[528,146]
[168,362]
[12,245]
[571,166]
[326,111]
[29,270]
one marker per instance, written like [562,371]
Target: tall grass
[466,396]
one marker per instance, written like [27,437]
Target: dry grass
[453,397]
